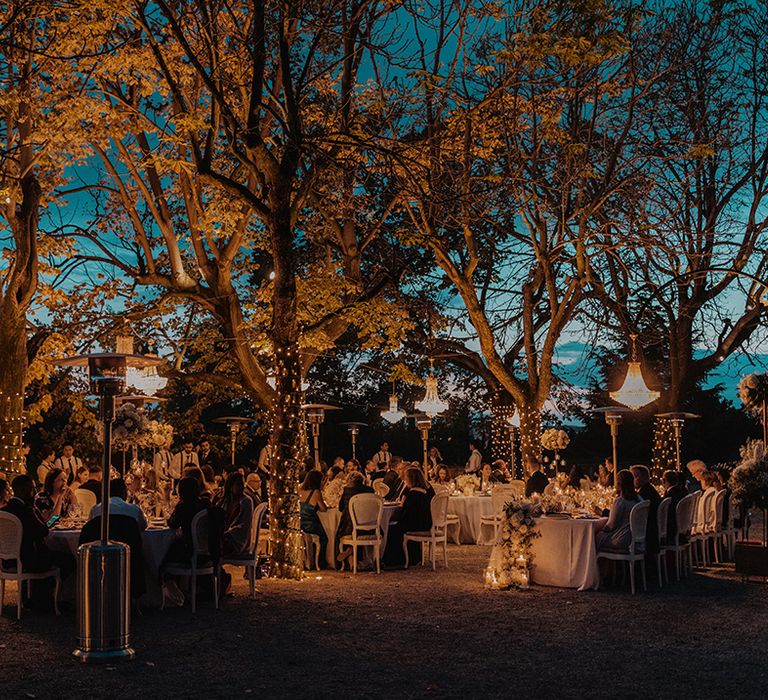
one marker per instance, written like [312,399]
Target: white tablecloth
[155,545]
[470,509]
[331,518]
[566,555]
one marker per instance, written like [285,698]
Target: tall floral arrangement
[157,435]
[512,557]
[554,439]
[749,480]
[129,429]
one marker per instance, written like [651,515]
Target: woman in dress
[55,498]
[442,475]
[616,535]
[434,459]
[189,505]
[238,513]
[312,501]
[486,474]
[415,516]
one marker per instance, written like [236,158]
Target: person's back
[33,530]
[536,483]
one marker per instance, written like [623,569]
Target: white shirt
[70,465]
[162,463]
[181,460]
[475,462]
[382,456]
[117,506]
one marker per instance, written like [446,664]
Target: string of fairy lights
[12,460]
[664,453]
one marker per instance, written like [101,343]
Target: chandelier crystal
[394,414]
[431,404]
[634,392]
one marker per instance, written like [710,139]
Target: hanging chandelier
[431,404]
[394,414]
[634,392]
[144,380]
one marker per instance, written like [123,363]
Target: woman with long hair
[311,498]
[238,513]
[55,498]
[415,516]
[616,535]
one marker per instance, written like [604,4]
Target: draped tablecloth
[331,518]
[470,509]
[155,545]
[566,554]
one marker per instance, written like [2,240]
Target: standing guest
[69,462]
[647,492]
[162,463]
[676,492]
[48,463]
[182,459]
[189,505]
[475,462]
[55,497]
[415,516]
[311,499]
[537,481]
[696,468]
[383,458]
[118,504]
[354,485]
[5,493]
[205,455]
[238,514]
[605,473]
[442,475]
[434,459]
[35,555]
[616,535]
[94,482]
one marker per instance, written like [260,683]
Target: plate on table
[558,516]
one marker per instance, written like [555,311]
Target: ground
[414,634]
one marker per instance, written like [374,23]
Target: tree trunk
[287,417]
[13,371]
[530,437]
[502,410]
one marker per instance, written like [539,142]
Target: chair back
[380,488]
[519,487]
[10,538]
[704,511]
[501,495]
[662,517]
[638,524]
[439,509]
[684,515]
[716,524]
[86,499]
[365,511]
[256,518]
[731,513]
[200,534]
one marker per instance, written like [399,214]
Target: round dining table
[565,555]
[469,510]
[156,541]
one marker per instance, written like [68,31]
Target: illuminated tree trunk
[285,532]
[530,437]
[13,371]
[502,410]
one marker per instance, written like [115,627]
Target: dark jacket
[650,494]
[94,486]
[396,485]
[676,493]
[33,532]
[415,515]
[345,523]
[536,483]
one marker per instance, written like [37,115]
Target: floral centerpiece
[511,558]
[467,484]
[749,480]
[554,439]
[128,429]
[158,434]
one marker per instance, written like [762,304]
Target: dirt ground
[414,634]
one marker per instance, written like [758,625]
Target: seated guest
[696,469]
[616,535]
[415,516]
[196,473]
[442,475]
[238,513]
[189,505]
[352,466]
[674,491]
[605,473]
[355,484]
[370,472]
[209,479]
[485,477]
[311,499]
[253,488]
[501,466]
[536,483]
[80,478]
[332,490]
[5,493]
[394,478]
[35,555]
[56,497]
[94,482]
[118,504]
[708,481]
[575,476]
[647,492]
[723,476]
[49,457]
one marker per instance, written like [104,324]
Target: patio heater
[678,420]
[103,567]
[424,424]
[613,417]
[315,415]
[354,431]
[234,423]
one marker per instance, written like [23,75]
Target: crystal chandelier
[634,392]
[144,380]
[394,414]
[431,404]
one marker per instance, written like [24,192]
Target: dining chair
[438,534]
[662,521]
[86,499]
[250,560]
[365,510]
[638,524]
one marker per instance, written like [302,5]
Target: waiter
[475,462]
[383,458]
[69,462]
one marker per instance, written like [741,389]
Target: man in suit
[355,485]
[205,455]
[183,459]
[395,479]
[35,555]
[676,492]
[648,493]
[94,482]
[537,482]
[69,462]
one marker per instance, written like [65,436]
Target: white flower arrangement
[753,391]
[467,484]
[511,560]
[749,480]
[128,429]
[158,434]
[554,439]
